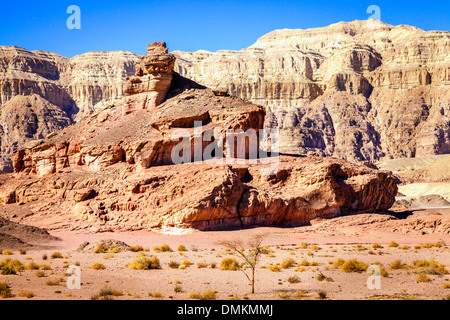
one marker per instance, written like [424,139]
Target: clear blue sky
[190,25]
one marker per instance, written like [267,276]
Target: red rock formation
[153,76]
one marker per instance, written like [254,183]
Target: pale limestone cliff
[360,90]
[42,92]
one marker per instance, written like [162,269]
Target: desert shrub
[207,295]
[56,255]
[430,267]
[303,245]
[322,295]
[5,290]
[354,265]
[32,266]
[229,264]
[182,248]
[274,268]
[11,266]
[322,277]
[22,251]
[136,248]
[294,279]
[155,295]
[288,263]
[283,295]
[213,265]
[144,262]
[398,264]
[446,285]
[54,282]
[26,294]
[106,294]
[7,252]
[393,244]
[40,274]
[107,291]
[405,247]
[113,249]
[178,289]
[301,293]
[202,265]
[163,248]
[384,273]
[186,263]
[98,266]
[377,246]
[423,278]
[173,264]
[305,263]
[338,263]
[44,257]
[100,249]
[45,267]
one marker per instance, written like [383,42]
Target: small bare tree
[250,251]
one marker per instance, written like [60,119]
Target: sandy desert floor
[314,249]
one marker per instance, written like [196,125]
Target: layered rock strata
[361,90]
[115,170]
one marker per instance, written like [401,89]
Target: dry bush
[293,279]
[173,264]
[100,249]
[5,290]
[288,263]
[398,264]
[423,278]
[26,294]
[354,265]
[229,264]
[322,277]
[430,267]
[163,248]
[136,248]
[338,263]
[98,266]
[144,262]
[393,244]
[274,268]
[207,295]
[11,266]
[56,255]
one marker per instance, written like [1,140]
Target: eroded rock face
[360,90]
[115,171]
[202,196]
[69,88]
[142,138]
[153,75]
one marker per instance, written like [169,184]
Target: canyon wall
[360,90]
[42,92]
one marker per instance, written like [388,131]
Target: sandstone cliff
[70,88]
[361,90]
[115,168]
